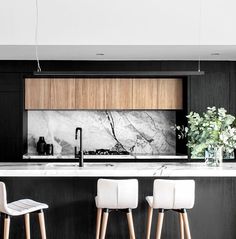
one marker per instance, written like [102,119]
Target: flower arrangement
[214,128]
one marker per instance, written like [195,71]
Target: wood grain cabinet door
[157,94]
[49,93]
[62,95]
[89,94]
[37,94]
[103,93]
[118,94]
[170,93]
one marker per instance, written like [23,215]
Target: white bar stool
[19,208]
[115,195]
[176,195]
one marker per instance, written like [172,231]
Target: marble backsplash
[140,132]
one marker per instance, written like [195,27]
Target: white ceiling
[119,52]
[121,30]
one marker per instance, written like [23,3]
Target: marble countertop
[100,157]
[116,170]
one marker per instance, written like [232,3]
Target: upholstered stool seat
[115,195]
[177,195]
[19,208]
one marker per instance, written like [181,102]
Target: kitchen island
[114,169]
[70,190]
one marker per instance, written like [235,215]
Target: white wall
[118,22]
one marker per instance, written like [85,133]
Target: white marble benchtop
[116,170]
[100,157]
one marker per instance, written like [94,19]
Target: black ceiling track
[118,73]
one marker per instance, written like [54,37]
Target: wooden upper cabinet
[62,94]
[170,94]
[157,94]
[144,94]
[96,93]
[119,94]
[49,93]
[89,94]
[37,94]
[103,93]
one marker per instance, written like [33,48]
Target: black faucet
[79,154]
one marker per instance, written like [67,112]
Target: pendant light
[36,35]
[41,73]
[199,34]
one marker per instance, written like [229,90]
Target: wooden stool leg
[181,223]
[130,224]
[159,223]
[42,224]
[98,223]
[27,225]
[186,225]
[6,227]
[149,222]
[104,224]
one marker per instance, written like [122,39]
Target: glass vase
[214,156]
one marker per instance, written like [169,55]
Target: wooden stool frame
[102,219]
[183,219]
[6,219]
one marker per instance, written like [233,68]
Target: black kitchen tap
[79,154]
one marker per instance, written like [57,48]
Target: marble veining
[116,170]
[139,132]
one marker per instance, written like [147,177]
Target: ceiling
[119,52]
[118,30]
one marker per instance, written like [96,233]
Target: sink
[76,165]
[90,165]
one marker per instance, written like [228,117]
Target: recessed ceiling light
[99,54]
[215,53]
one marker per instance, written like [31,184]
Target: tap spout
[79,154]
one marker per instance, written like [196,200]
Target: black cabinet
[212,89]
[10,82]
[11,117]
[233,92]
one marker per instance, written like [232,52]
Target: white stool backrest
[173,194]
[117,194]
[3,197]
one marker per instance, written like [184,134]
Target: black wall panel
[233,92]
[212,89]
[10,125]
[10,82]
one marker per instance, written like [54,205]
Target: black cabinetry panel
[212,89]
[11,120]
[10,126]
[72,211]
[233,92]
[10,82]
[10,149]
